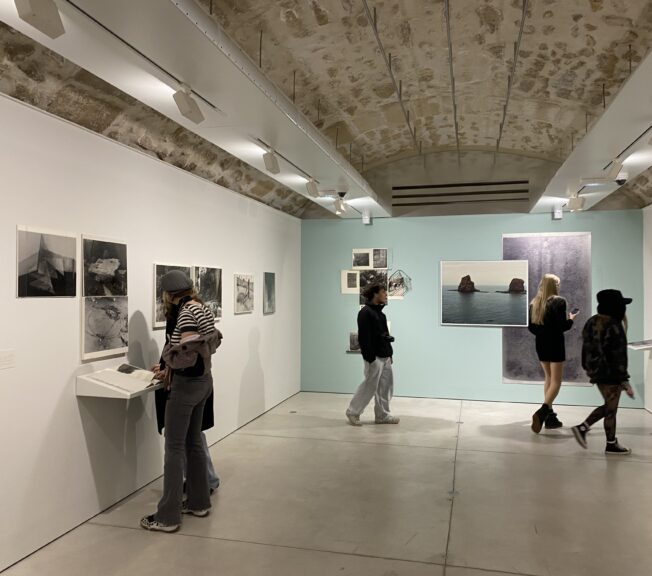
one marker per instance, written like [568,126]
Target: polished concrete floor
[457,489]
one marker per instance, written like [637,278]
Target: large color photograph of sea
[484,293]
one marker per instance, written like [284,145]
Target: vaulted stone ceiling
[570,49]
[42,78]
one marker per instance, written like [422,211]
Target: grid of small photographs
[368,265]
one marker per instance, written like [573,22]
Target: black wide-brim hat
[611,297]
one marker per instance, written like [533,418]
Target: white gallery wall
[647,271]
[65,458]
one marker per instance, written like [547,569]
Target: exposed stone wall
[38,76]
[570,48]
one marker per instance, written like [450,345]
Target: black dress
[550,343]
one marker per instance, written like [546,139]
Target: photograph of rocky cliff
[105,268]
[567,255]
[484,293]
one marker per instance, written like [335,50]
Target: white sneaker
[150,523]
[388,420]
[353,419]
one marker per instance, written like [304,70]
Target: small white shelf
[642,345]
[110,383]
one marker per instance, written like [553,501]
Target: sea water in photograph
[490,293]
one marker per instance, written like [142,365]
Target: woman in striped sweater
[191,384]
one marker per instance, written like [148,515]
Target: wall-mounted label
[7,359]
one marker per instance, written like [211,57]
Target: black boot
[539,417]
[552,422]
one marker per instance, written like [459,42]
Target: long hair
[168,298]
[548,287]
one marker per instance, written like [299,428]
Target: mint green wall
[448,362]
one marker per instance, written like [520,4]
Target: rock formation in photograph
[467,285]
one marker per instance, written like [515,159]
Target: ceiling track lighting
[271,162]
[312,188]
[187,105]
[576,203]
[43,15]
[340,207]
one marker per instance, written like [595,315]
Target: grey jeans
[378,383]
[184,448]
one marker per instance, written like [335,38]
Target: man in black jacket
[604,357]
[376,347]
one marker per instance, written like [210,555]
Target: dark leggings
[611,395]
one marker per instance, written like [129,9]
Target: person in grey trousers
[376,347]
[188,374]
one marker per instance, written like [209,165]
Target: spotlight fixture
[576,203]
[271,162]
[187,105]
[43,15]
[312,188]
[340,207]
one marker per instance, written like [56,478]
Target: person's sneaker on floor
[388,420]
[353,419]
[151,523]
[614,448]
[539,417]
[580,433]
[198,513]
[552,422]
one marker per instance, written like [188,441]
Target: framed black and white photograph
[567,255]
[104,265]
[269,293]
[161,270]
[368,277]
[46,263]
[350,282]
[362,259]
[208,284]
[243,293]
[354,344]
[105,326]
[379,257]
[484,293]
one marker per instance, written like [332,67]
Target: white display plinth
[109,383]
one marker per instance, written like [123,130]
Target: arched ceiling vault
[571,50]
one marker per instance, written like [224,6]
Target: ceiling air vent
[461,193]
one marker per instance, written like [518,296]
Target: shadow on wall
[252,386]
[121,435]
[143,349]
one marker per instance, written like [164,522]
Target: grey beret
[175,281]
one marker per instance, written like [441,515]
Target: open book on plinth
[126,377]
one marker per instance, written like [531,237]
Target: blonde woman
[548,322]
